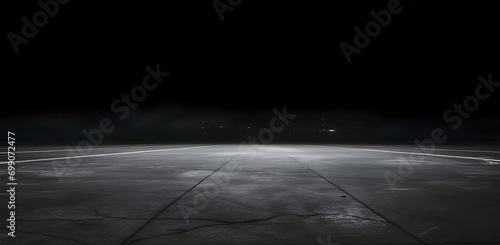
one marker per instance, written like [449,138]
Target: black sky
[263,55]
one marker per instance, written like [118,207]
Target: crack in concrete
[47,235]
[204,226]
[225,222]
[91,219]
[106,217]
[362,218]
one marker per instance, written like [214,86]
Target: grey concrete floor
[262,194]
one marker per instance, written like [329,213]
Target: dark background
[265,54]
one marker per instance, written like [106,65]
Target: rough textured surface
[265,194]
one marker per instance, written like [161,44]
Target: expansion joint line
[366,206]
[128,240]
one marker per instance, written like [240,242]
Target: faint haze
[191,125]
